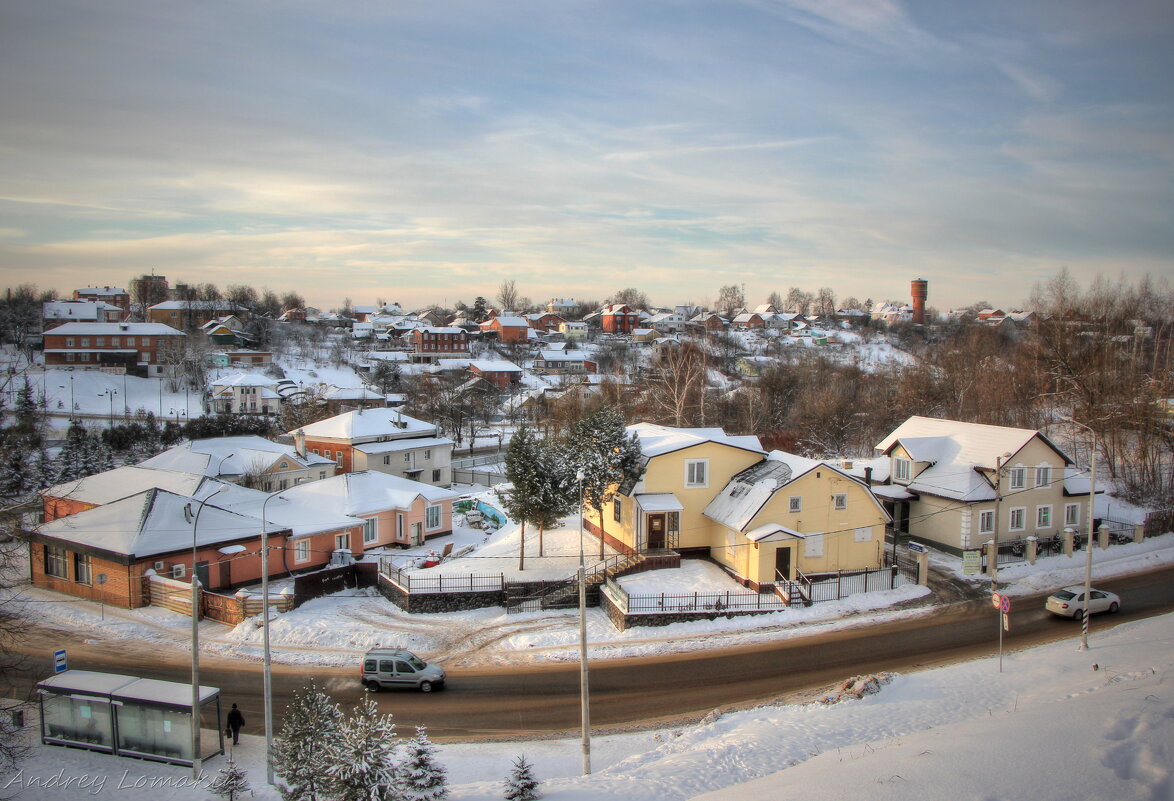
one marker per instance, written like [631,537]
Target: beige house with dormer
[947,477]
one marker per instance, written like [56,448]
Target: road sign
[59,665]
[916,547]
[971,562]
[1006,622]
[1005,604]
[996,600]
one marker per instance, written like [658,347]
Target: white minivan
[392,667]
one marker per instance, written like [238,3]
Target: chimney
[300,443]
[868,476]
[919,288]
[846,464]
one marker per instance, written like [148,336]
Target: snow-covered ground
[1055,725]
[94,394]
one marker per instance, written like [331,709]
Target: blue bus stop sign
[59,665]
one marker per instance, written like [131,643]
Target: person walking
[235,720]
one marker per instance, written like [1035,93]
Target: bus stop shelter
[128,716]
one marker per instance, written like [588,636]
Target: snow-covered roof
[245,379]
[102,291]
[659,502]
[367,492]
[228,456]
[116,329]
[508,320]
[352,393]
[560,355]
[747,492]
[498,366]
[957,452]
[403,445]
[772,532]
[121,482]
[656,440]
[204,305]
[431,329]
[153,522]
[367,423]
[76,309]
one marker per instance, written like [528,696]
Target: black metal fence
[842,583]
[701,602]
[411,581]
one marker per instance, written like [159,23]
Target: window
[1018,519]
[1043,476]
[314,451]
[55,564]
[840,502]
[370,532]
[146,342]
[902,469]
[813,545]
[342,541]
[1018,477]
[432,518]
[283,466]
[617,509]
[864,534]
[85,342]
[100,342]
[283,484]
[986,522]
[428,454]
[1043,517]
[327,454]
[81,568]
[338,457]
[436,476]
[69,357]
[795,504]
[114,341]
[407,458]
[321,474]
[69,342]
[302,551]
[1072,514]
[85,357]
[673,522]
[696,472]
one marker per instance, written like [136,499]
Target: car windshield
[417,663]
[1064,595]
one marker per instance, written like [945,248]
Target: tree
[363,757]
[798,300]
[519,501]
[507,295]
[554,488]
[232,783]
[83,454]
[302,751]
[776,300]
[607,457]
[478,313]
[730,300]
[422,778]
[521,785]
[825,302]
[632,297]
[13,628]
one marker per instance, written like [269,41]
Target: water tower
[919,288]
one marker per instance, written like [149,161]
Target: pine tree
[232,783]
[608,458]
[363,757]
[521,785]
[555,490]
[301,753]
[71,459]
[520,469]
[422,777]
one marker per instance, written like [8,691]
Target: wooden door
[655,532]
[783,563]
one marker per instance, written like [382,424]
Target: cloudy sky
[425,152]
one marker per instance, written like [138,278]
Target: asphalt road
[528,702]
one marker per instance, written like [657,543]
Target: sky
[427,152]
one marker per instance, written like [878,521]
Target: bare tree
[730,300]
[507,295]
[798,301]
[825,302]
[632,297]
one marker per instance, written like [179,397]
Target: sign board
[916,547]
[59,664]
[1005,604]
[1006,622]
[996,600]
[971,562]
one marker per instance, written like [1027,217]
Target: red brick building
[450,340]
[113,295]
[619,318]
[139,348]
[508,328]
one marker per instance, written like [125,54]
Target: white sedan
[1069,602]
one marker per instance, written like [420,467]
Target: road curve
[543,700]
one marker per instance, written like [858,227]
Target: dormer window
[902,469]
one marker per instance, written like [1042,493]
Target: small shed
[128,716]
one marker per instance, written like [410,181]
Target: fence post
[695,601]
[893,578]
[839,581]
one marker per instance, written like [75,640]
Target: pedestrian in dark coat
[235,720]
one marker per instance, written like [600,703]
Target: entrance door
[655,532]
[202,574]
[417,533]
[783,563]
[225,573]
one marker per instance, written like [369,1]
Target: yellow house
[788,515]
[943,476]
[704,492]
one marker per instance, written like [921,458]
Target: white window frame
[370,530]
[692,467]
[986,521]
[429,514]
[840,501]
[902,470]
[1019,512]
[1072,514]
[617,509]
[57,558]
[1043,472]
[302,551]
[1043,516]
[342,542]
[1018,478]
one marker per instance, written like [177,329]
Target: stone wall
[426,602]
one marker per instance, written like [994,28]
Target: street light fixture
[187,510]
[584,697]
[1092,495]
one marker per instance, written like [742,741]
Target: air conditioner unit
[160,567]
[178,571]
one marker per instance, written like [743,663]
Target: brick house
[113,295]
[382,439]
[545,322]
[139,348]
[191,314]
[619,318]
[55,313]
[499,373]
[438,341]
[508,328]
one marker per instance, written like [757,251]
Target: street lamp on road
[1092,495]
[584,697]
[195,520]
[265,640]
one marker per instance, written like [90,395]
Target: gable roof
[369,423]
[228,456]
[656,440]
[122,482]
[367,492]
[959,454]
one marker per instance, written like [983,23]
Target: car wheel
[1078,615]
[372,686]
[425,686]
[1113,607]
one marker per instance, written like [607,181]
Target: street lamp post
[196,763]
[1092,495]
[584,698]
[265,641]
